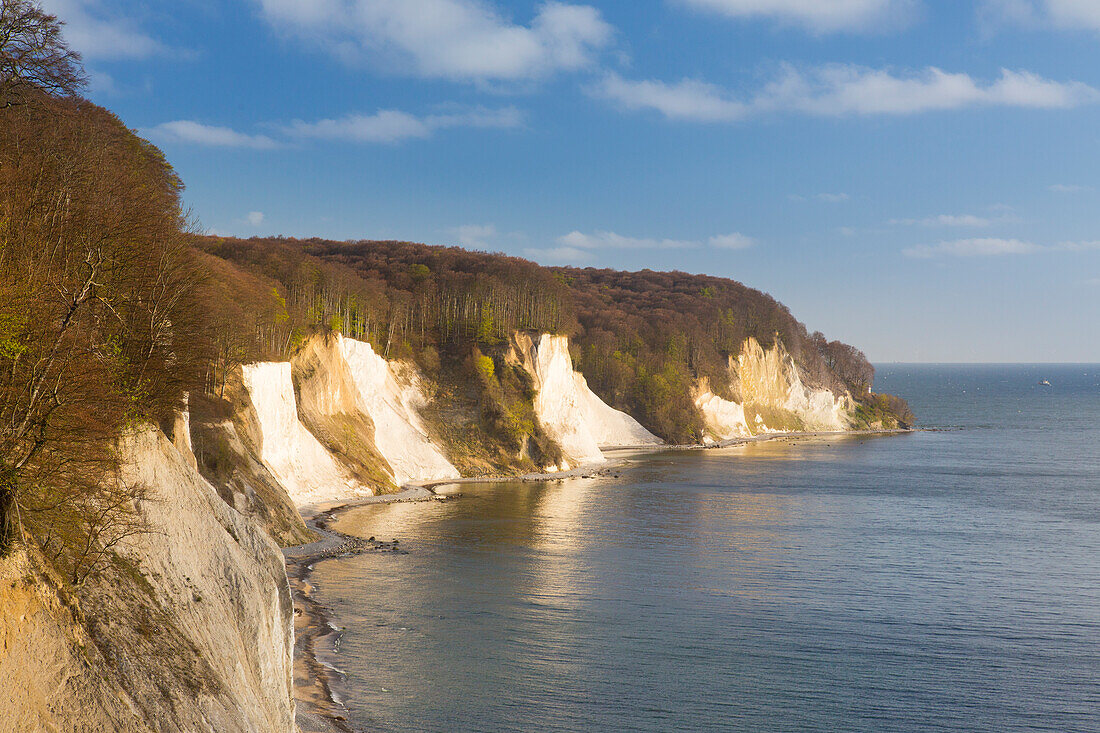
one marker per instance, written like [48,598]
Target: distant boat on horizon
[1044,383]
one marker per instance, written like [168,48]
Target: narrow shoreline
[317,708]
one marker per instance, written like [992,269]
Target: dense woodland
[101,321]
[112,310]
[642,339]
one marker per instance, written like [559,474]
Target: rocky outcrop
[567,409]
[299,461]
[340,421]
[330,407]
[391,393]
[724,418]
[188,628]
[773,398]
[230,461]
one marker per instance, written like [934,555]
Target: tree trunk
[7,520]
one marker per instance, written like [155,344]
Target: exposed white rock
[770,378]
[724,419]
[224,581]
[568,410]
[181,434]
[307,471]
[392,395]
[194,634]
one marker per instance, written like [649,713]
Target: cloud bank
[842,91]
[1070,14]
[197,133]
[391,126]
[475,236]
[947,220]
[99,33]
[825,198]
[818,16]
[466,40]
[386,126]
[993,247]
[611,240]
[579,246]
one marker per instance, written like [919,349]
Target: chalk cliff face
[567,409]
[189,628]
[724,419]
[391,393]
[773,398]
[307,471]
[339,421]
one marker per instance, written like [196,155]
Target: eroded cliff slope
[770,397]
[188,627]
[568,410]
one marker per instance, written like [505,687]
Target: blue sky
[920,178]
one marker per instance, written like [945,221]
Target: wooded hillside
[642,339]
[111,312]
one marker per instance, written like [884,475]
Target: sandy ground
[318,711]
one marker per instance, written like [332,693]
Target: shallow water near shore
[933,581]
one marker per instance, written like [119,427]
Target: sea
[942,580]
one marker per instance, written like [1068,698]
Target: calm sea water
[943,581]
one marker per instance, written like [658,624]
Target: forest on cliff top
[113,309]
[642,339]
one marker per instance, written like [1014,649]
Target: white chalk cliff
[571,413]
[347,387]
[724,419]
[391,393]
[307,471]
[768,381]
[203,641]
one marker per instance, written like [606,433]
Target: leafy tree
[34,58]
[100,327]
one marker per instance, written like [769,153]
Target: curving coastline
[318,709]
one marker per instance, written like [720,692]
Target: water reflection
[859,584]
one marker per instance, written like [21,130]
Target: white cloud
[611,240]
[559,255]
[827,198]
[1070,14]
[101,32]
[578,246]
[475,236]
[450,39]
[992,247]
[1074,13]
[820,16]
[100,82]
[391,126]
[987,247]
[1076,246]
[845,90]
[255,218]
[196,133]
[385,126]
[947,220]
[1067,188]
[687,99]
[735,240]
